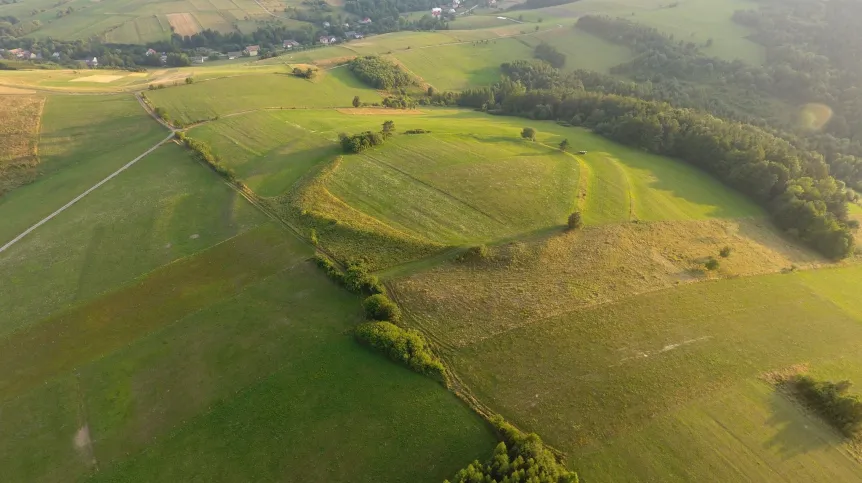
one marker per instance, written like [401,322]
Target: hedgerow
[202,152]
[380,307]
[356,278]
[518,458]
[402,345]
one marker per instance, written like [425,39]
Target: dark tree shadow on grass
[797,431]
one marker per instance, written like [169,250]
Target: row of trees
[519,458]
[380,73]
[793,184]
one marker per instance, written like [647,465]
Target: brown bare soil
[19,133]
[525,282]
[184,23]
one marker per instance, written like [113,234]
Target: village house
[55,55]
[198,59]
[252,50]
[351,35]
[365,21]
[290,44]
[234,55]
[151,52]
[328,40]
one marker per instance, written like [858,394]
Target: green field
[690,20]
[207,100]
[164,208]
[583,50]
[665,386]
[82,140]
[239,368]
[457,67]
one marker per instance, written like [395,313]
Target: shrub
[712,264]
[360,142]
[380,307]
[832,402]
[358,280]
[725,252]
[564,145]
[190,80]
[417,131]
[528,133]
[356,101]
[518,457]
[402,345]
[576,222]
[476,253]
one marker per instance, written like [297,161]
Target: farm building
[233,55]
[198,59]
[436,12]
[290,44]
[252,50]
[365,21]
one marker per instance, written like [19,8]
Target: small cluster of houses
[24,54]
[348,35]
[450,9]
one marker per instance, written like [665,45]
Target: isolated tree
[309,73]
[528,133]
[388,128]
[430,91]
[725,252]
[576,222]
[356,101]
[564,145]
[190,80]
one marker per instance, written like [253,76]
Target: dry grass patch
[99,79]
[461,303]
[14,91]
[19,133]
[184,23]
[380,111]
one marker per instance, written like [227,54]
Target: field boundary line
[85,193]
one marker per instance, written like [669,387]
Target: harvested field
[14,91]
[99,79]
[19,132]
[184,23]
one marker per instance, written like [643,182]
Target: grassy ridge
[164,208]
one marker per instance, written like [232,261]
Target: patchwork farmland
[271,270]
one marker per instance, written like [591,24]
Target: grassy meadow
[239,368]
[583,50]
[690,20]
[665,386]
[458,67]
[82,140]
[163,208]
[211,99]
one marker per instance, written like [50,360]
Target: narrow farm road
[152,113]
[85,193]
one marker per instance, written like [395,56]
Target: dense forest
[793,184]
[684,76]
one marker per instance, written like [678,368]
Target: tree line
[793,184]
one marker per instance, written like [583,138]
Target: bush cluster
[519,458]
[417,131]
[832,402]
[380,307]
[355,279]
[360,142]
[380,73]
[402,345]
[550,54]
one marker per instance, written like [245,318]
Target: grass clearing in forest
[458,67]
[583,50]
